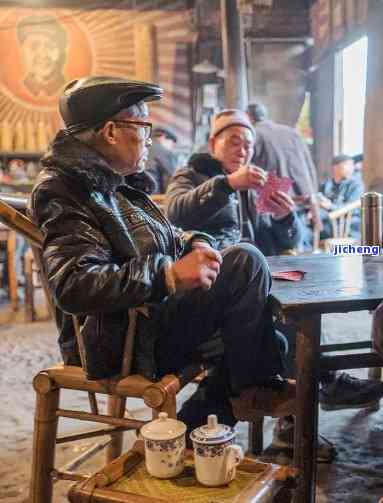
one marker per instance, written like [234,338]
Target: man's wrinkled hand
[198,269]
[284,203]
[247,177]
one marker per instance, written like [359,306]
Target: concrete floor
[356,475]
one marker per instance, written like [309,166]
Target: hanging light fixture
[205,67]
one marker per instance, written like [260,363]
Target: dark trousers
[236,308]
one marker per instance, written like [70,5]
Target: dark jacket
[280,148]
[200,198]
[161,166]
[104,252]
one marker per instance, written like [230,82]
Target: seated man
[204,194]
[339,190]
[162,162]
[108,248]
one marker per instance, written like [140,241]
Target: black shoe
[347,392]
[210,398]
[283,442]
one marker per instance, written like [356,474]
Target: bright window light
[354,68]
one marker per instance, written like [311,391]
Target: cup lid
[212,432]
[163,428]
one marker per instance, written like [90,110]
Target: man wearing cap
[43,43]
[204,195]
[108,248]
[162,162]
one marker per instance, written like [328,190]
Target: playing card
[288,275]
[263,202]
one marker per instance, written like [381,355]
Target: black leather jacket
[104,252]
[199,198]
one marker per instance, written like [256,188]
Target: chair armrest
[343,210]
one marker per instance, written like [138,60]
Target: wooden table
[331,285]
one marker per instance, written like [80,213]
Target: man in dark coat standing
[280,148]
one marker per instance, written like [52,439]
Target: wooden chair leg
[12,279]
[256,436]
[30,314]
[116,408]
[44,439]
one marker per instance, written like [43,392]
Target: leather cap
[91,100]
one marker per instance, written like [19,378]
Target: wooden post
[116,408]
[233,56]
[44,439]
[373,121]
[306,426]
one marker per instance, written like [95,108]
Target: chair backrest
[16,220]
[341,219]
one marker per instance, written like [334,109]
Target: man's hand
[324,202]
[285,204]
[198,269]
[247,177]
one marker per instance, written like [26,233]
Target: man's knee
[248,262]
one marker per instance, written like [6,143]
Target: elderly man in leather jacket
[204,195]
[108,248]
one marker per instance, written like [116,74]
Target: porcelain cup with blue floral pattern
[216,457]
[164,440]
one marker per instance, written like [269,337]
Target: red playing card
[263,202]
[288,275]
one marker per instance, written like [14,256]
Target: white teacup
[215,454]
[164,446]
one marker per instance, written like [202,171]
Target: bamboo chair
[158,396]
[340,219]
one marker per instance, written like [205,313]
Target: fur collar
[206,164]
[88,167]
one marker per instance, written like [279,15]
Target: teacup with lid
[164,446]
[215,454]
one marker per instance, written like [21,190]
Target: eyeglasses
[146,126]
